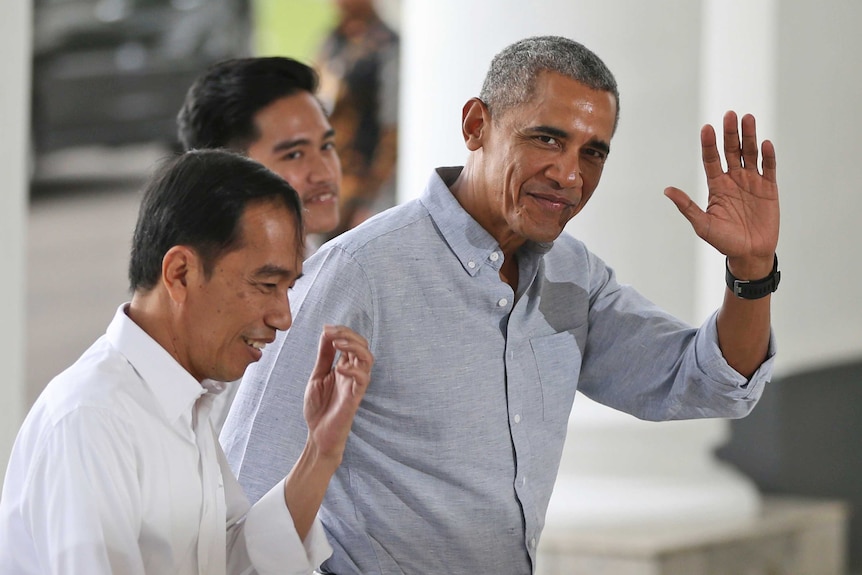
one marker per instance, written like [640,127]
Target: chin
[322,224]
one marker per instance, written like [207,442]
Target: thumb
[689,209]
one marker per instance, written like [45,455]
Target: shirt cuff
[716,367]
[272,542]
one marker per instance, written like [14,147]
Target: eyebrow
[596,143]
[274,270]
[295,143]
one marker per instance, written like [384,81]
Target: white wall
[818,308]
[15,32]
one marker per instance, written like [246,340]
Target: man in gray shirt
[484,318]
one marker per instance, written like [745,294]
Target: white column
[616,470]
[817,312]
[15,33]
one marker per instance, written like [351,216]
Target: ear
[474,120]
[180,268]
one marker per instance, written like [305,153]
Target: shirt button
[471,264]
[517,418]
[503,301]
[533,542]
[523,481]
[494,256]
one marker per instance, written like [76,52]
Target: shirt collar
[175,389]
[468,240]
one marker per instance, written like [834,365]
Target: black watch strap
[754,289]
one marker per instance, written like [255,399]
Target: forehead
[269,237]
[291,117]
[561,102]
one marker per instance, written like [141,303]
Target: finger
[749,142]
[769,163]
[690,210]
[709,153]
[357,378]
[350,343]
[731,141]
[325,356]
[344,332]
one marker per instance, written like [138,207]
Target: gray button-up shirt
[455,449]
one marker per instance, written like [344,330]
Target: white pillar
[15,33]
[616,470]
[817,311]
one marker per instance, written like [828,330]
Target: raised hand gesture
[332,396]
[334,392]
[742,217]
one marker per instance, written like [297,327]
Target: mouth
[257,344]
[552,201]
[323,197]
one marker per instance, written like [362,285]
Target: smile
[552,201]
[255,343]
[321,198]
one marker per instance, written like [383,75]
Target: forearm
[743,324]
[305,486]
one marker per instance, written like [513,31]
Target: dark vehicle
[113,72]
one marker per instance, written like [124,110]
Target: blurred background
[90,107]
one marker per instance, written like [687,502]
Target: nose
[324,168]
[565,172]
[279,316]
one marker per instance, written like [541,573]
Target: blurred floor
[83,208]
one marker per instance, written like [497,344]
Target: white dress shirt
[116,469]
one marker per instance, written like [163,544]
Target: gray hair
[511,79]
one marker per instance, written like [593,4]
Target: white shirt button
[517,418]
[523,481]
[471,264]
[533,542]
[494,256]
[503,301]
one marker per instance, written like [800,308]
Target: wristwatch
[753,289]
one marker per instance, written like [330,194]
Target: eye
[328,146]
[293,155]
[595,155]
[549,140]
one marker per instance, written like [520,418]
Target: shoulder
[101,379]
[568,251]
[382,234]
[84,408]
[569,259]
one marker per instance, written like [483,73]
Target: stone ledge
[790,537]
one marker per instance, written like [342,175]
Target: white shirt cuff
[272,542]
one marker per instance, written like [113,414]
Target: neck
[484,206]
[147,310]
[477,201]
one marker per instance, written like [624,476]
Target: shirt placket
[212,543]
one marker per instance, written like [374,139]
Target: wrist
[762,285]
[750,268]
[315,460]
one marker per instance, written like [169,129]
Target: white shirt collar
[175,389]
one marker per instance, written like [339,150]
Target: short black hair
[220,106]
[197,199]
[511,79]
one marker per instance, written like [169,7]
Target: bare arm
[741,221]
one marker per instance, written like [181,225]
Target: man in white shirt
[116,468]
